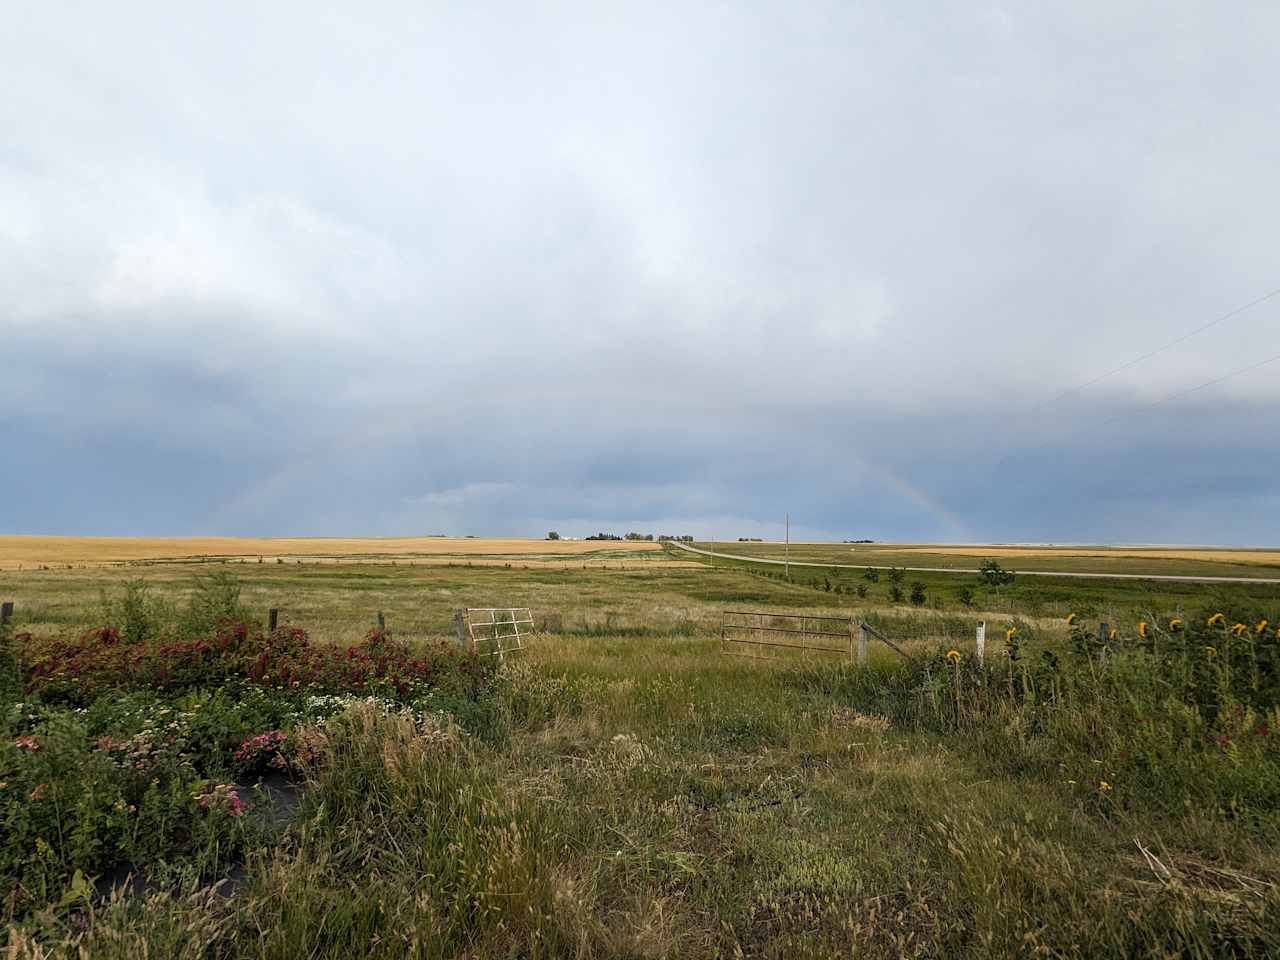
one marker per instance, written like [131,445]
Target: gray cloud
[496,269]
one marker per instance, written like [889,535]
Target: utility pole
[787,550]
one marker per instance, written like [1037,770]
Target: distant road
[1021,573]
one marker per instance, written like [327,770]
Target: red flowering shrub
[284,658]
[266,751]
[380,643]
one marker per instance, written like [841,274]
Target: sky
[497,269]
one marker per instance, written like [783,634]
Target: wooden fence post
[273,618]
[981,638]
[6,611]
[1104,631]
[382,621]
[460,626]
[862,644]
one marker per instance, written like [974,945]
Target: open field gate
[497,631]
[767,635]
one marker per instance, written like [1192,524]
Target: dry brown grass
[32,551]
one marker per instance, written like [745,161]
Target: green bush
[215,600]
[137,614]
[993,575]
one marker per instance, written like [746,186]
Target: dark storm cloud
[504,268]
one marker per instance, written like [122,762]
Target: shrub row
[285,658]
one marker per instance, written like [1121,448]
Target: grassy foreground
[626,789]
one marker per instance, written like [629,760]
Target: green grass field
[626,789]
[1132,561]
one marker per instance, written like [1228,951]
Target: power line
[1147,356]
[1018,415]
[1183,393]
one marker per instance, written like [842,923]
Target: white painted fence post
[982,639]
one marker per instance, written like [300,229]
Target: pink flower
[27,742]
[222,795]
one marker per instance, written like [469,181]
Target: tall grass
[643,795]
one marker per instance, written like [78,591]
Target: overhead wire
[1182,393]
[1147,356]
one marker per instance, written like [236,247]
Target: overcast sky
[497,269]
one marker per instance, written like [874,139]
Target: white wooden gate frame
[497,626]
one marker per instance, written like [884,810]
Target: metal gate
[750,633]
[745,633]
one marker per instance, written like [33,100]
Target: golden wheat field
[33,551]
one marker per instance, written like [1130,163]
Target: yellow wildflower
[1111,634]
[1210,652]
[1104,787]
[1142,628]
[1216,618]
[1239,629]
[954,655]
[1010,634]
[1175,623]
[1072,618]
[1261,626]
